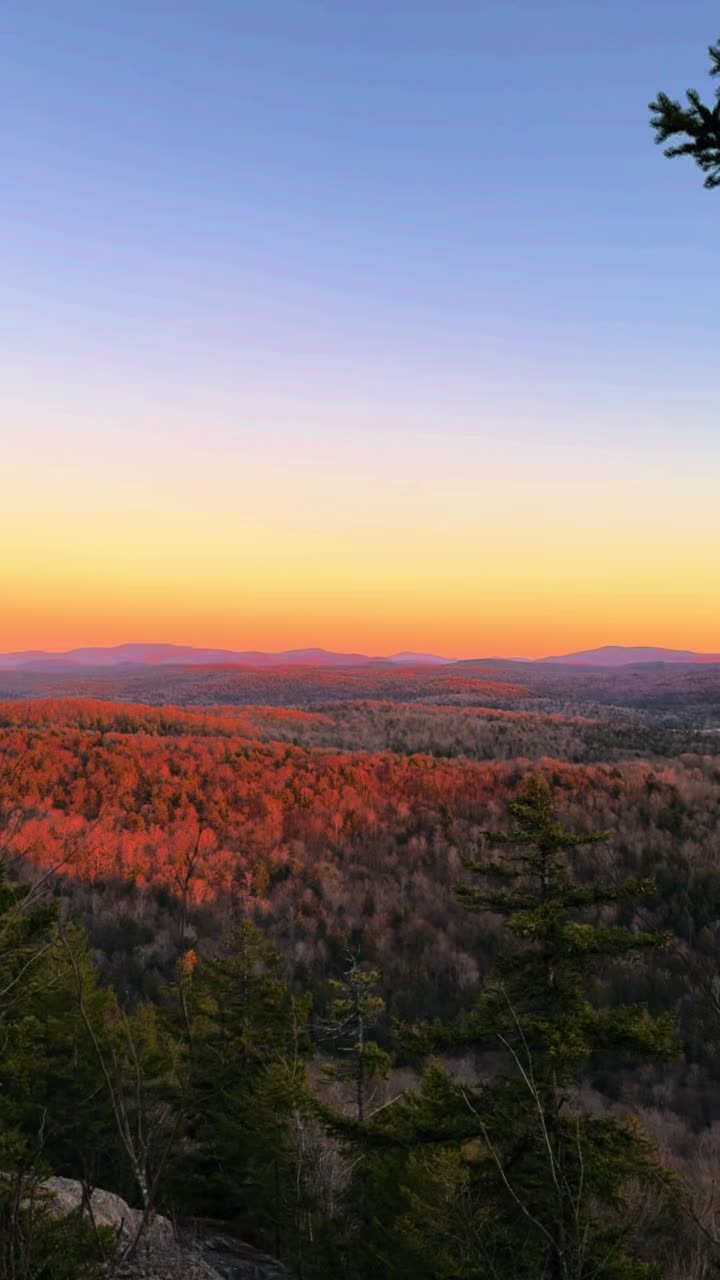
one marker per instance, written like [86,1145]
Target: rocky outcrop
[198,1251]
[108,1210]
[234,1260]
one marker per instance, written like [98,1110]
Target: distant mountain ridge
[160,655]
[614,655]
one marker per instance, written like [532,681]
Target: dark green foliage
[27,933]
[354,1010]
[64,1082]
[509,1176]
[48,1097]
[247,1094]
[697,122]
[50,1102]
[559,935]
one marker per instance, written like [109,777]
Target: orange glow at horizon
[329,543]
[467,612]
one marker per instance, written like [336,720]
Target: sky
[376,327]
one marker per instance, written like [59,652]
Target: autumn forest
[294,899]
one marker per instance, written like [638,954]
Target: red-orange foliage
[192,801]
[331,845]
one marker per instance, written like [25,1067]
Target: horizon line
[226,653]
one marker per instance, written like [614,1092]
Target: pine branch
[697,122]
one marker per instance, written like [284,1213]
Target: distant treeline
[662,695]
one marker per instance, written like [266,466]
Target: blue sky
[472,184]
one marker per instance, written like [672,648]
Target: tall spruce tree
[45,1093]
[246,1071]
[510,1176]
[354,1011]
[697,122]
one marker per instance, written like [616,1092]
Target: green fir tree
[354,1011]
[247,1093]
[510,1175]
[697,122]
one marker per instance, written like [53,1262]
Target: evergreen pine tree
[698,122]
[47,1096]
[355,1009]
[543,1187]
[248,1038]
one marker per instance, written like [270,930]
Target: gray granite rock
[200,1252]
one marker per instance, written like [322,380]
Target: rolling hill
[160,655]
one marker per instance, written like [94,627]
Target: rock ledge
[199,1251]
